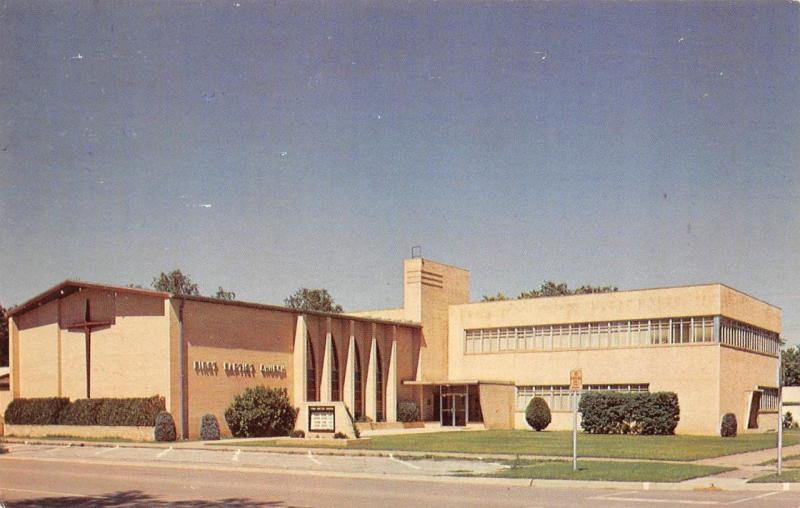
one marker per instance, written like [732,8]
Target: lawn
[521,442]
[788,476]
[608,471]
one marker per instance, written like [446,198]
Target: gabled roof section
[69,287]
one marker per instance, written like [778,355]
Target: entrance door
[453,406]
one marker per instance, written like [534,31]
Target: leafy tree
[499,297]
[550,288]
[176,282]
[224,295]
[312,299]
[791,366]
[3,336]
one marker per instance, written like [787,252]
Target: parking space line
[106,450]
[752,498]
[661,501]
[235,457]
[312,459]
[407,464]
[164,452]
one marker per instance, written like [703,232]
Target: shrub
[165,427]
[259,412]
[537,414]
[139,412]
[603,412]
[44,411]
[340,435]
[788,420]
[297,433]
[654,414]
[407,411]
[728,427]
[635,413]
[209,428]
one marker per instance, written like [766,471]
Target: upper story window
[608,334]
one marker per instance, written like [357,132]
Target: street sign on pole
[575,386]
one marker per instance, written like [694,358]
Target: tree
[499,297]
[312,299]
[3,337]
[177,283]
[791,366]
[224,295]
[550,288]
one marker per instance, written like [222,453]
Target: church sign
[321,418]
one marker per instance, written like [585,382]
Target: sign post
[780,412]
[575,386]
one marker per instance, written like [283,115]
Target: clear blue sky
[264,146]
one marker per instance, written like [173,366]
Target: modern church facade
[460,362]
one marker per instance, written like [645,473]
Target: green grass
[785,458]
[520,442]
[607,471]
[788,476]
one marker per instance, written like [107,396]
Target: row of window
[769,399]
[747,337]
[619,334]
[558,396]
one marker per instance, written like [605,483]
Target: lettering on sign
[206,368]
[321,418]
[273,369]
[240,369]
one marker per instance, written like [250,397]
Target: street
[69,480]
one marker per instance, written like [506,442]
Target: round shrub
[340,435]
[728,427]
[261,412]
[407,411]
[297,433]
[209,428]
[538,414]
[165,427]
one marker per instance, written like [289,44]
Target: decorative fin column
[391,385]
[326,384]
[349,395]
[371,394]
[299,362]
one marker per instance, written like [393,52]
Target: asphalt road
[29,481]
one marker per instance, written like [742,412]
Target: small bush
[538,414]
[340,435]
[407,411]
[788,420]
[42,411]
[209,428]
[165,427]
[634,413]
[297,433]
[728,427]
[261,412]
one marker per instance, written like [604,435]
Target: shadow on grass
[132,498]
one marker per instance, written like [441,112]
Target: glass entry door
[453,404]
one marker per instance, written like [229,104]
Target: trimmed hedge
[629,413]
[537,414]
[137,412]
[408,411]
[44,411]
[165,427]
[261,412]
[209,428]
[729,426]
